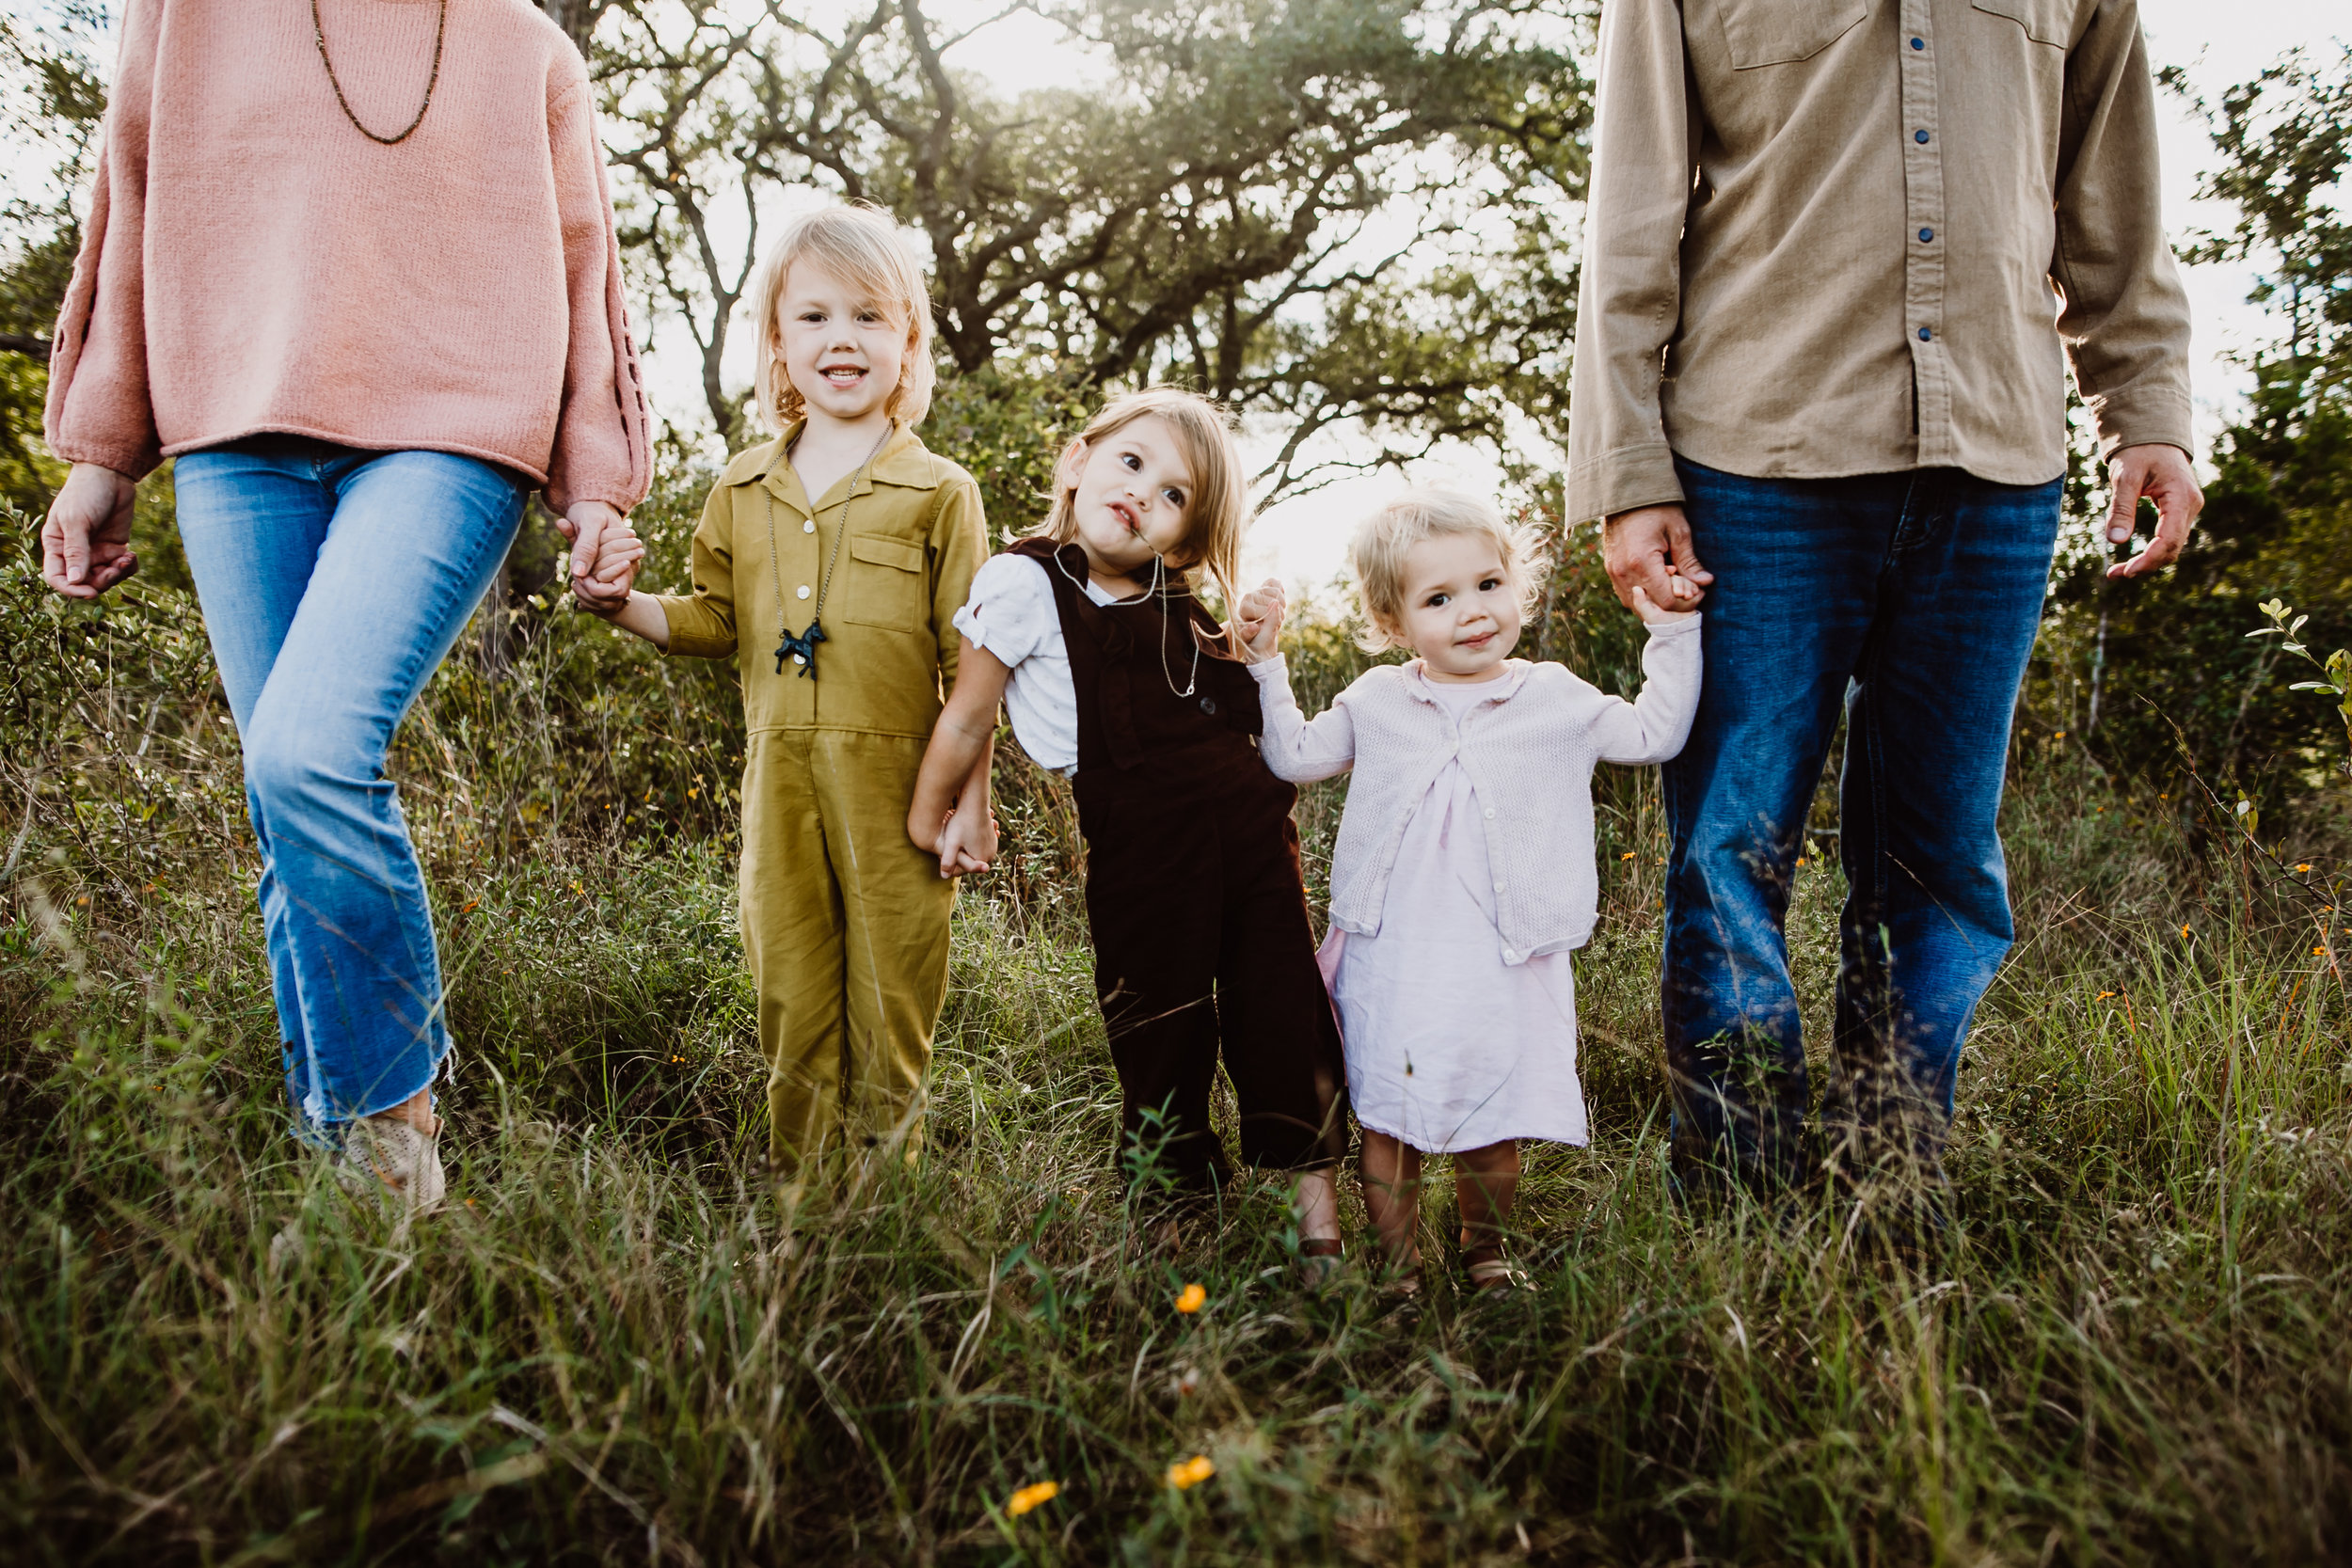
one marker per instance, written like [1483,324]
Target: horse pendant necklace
[801,650]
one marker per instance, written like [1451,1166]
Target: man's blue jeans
[1912,599]
[334,582]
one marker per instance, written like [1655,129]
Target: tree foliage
[1330,213]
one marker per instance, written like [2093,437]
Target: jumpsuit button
[809,527]
[803,590]
[1208,706]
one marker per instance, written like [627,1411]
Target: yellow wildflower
[1185,1474]
[2305,866]
[1030,1497]
[1191,1298]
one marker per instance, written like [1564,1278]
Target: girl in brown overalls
[1116,678]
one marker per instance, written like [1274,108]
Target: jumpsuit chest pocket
[2046,21]
[885,582]
[1782,32]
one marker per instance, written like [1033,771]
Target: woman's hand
[85,544]
[605,591]
[1258,621]
[583,525]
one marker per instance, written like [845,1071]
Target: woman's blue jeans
[334,582]
[1911,600]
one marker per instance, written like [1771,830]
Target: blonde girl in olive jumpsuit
[844,920]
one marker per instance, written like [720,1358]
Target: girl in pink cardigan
[355,268]
[1463,876]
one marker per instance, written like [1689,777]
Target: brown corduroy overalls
[1193,891]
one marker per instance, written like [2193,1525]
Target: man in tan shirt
[1838,258]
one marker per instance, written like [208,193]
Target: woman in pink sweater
[352,266]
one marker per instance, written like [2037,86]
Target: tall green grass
[613,1345]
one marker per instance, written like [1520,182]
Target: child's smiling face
[1461,608]
[843,351]
[1132,489]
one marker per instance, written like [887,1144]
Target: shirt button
[803,592]
[1926,234]
[1924,336]
[1919,136]
[1918,43]
[809,527]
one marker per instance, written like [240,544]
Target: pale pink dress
[1448,1047]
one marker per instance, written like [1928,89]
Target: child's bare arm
[640,614]
[960,743]
[967,841]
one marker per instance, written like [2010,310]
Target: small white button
[1509,956]
[1490,814]
[803,590]
[1498,887]
[809,527]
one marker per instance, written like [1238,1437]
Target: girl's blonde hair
[860,244]
[1377,555]
[1217,511]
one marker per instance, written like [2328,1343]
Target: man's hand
[1649,548]
[1258,621]
[2160,473]
[85,544]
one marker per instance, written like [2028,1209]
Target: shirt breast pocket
[886,586]
[1781,32]
[2047,22]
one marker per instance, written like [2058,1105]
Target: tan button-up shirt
[1833,237]
[762,555]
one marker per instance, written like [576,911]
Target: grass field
[613,1347]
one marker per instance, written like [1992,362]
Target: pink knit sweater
[253,263]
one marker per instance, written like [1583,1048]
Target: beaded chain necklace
[801,650]
[1157,590]
[440,35]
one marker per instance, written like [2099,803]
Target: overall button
[1919,136]
[1208,706]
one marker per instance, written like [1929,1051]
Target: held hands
[605,556]
[2162,474]
[86,542]
[1258,622]
[1655,615]
[1647,551]
[965,845]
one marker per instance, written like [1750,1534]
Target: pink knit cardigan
[253,263]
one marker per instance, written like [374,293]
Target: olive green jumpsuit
[844,920]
